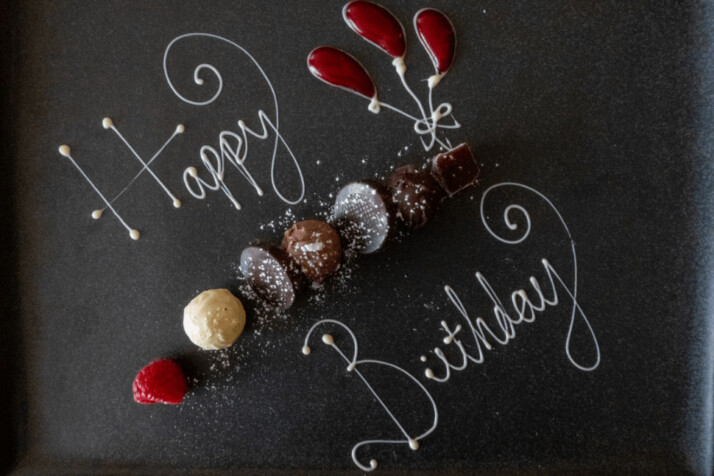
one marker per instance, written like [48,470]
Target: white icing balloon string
[425,119]
[107,123]
[423,126]
[133,232]
[352,364]
[264,121]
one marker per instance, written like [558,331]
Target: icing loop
[524,305]
[352,366]
[576,310]
[233,147]
[552,274]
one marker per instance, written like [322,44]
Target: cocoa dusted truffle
[415,194]
[315,246]
[455,169]
[363,214]
[271,275]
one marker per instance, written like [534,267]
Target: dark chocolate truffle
[315,246]
[415,194]
[455,169]
[363,216]
[270,274]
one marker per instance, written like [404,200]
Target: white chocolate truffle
[214,319]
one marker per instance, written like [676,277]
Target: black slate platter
[605,108]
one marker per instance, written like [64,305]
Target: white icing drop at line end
[374,105]
[434,80]
[400,66]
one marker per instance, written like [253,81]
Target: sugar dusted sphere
[363,215]
[271,274]
[214,319]
[315,246]
[415,194]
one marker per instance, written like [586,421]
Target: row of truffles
[364,217]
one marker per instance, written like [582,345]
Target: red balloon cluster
[380,27]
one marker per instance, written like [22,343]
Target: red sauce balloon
[377,25]
[438,37]
[339,69]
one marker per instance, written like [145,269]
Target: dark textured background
[605,108]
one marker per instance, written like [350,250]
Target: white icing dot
[351,367]
[429,373]
[374,105]
[306,350]
[413,444]
[177,203]
[434,80]
[327,339]
[192,171]
[373,463]
[134,234]
[107,123]
[180,128]
[423,358]
[64,150]
[399,65]
[97,214]
[241,123]
[199,81]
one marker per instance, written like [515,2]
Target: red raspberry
[162,381]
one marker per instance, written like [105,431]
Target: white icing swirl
[235,155]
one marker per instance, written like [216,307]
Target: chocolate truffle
[415,194]
[455,169]
[270,273]
[363,215]
[214,319]
[315,246]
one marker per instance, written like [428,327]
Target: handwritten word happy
[232,147]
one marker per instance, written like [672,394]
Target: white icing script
[352,366]
[232,147]
[524,307]
[107,123]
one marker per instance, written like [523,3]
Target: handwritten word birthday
[525,308]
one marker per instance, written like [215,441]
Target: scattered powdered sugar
[316,246]
[280,223]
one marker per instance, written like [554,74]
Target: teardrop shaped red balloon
[339,69]
[377,25]
[437,35]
